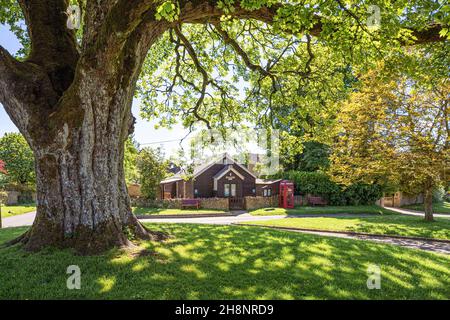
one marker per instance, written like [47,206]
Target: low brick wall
[207,203]
[253,203]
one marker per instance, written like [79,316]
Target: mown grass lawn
[161,211]
[440,207]
[8,211]
[321,210]
[390,224]
[228,262]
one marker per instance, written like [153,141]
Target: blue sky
[145,133]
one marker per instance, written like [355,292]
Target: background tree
[18,160]
[3,199]
[395,132]
[313,157]
[152,170]
[130,161]
[71,94]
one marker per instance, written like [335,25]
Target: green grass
[440,207]
[391,225]
[321,210]
[8,211]
[160,211]
[228,262]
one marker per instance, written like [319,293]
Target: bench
[317,201]
[190,203]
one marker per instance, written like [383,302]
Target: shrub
[439,194]
[320,184]
[362,194]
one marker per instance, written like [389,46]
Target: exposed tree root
[84,241]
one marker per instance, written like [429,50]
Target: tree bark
[78,141]
[82,196]
[428,204]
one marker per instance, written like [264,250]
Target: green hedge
[320,184]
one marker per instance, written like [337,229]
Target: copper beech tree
[71,95]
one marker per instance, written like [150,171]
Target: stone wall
[206,203]
[134,190]
[400,199]
[16,197]
[253,203]
[215,203]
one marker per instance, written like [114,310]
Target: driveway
[417,213]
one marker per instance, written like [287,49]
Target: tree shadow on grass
[225,262]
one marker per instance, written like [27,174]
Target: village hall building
[222,178]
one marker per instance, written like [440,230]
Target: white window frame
[233,188]
[226,190]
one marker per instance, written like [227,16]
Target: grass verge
[9,211]
[387,225]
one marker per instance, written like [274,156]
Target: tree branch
[201,70]
[237,48]
[208,12]
[25,90]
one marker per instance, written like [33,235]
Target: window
[265,193]
[196,192]
[229,190]
[226,190]
[233,190]
[269,192]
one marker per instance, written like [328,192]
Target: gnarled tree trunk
[83,201]
[75,112]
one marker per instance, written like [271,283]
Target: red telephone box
[286,194]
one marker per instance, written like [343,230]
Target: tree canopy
[265,62]
[18,160]
[395,132]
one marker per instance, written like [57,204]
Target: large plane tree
[70,91]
